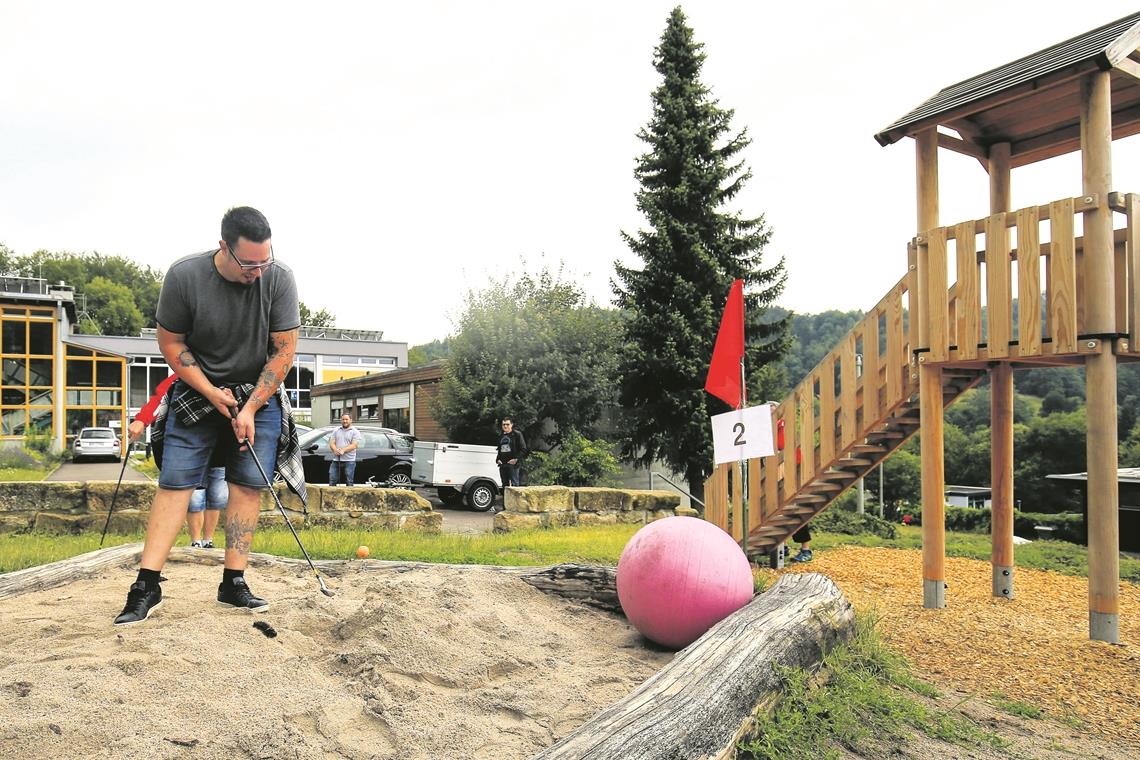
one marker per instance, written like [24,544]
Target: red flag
[724,369]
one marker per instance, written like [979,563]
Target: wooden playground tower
[951,320]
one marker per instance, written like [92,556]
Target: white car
[96,442]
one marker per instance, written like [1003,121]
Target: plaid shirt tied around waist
[190,407]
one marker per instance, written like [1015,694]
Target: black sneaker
[237,594]
[140,603]
[207,544]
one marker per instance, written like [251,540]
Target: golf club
[324,589]
[115,495]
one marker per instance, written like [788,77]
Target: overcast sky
[406,152]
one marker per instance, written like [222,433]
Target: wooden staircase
[860,403]
[855,462]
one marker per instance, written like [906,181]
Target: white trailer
[460,472]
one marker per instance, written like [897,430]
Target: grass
[1013,707]
[1058,556]
[8,474]
[597,545]
[869,704]
[145,466]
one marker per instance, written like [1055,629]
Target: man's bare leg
[194,522]
[210,524]
[241,523]
[162,527]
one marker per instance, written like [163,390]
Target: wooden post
[1100,312]
[930,391]
[1001,416]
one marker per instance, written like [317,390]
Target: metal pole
[880,491]
[743,471]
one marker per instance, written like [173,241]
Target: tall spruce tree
[693,250]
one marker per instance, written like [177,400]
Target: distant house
[975,497]
[1128,479]
[399,399]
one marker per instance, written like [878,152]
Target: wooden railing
[851,389]
[1012,295]
[1032,303]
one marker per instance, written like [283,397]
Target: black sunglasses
[251,267]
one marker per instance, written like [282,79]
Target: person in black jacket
[512,449]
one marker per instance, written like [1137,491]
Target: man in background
[344,441]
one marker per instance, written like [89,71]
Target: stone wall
[66,507]
[559,507]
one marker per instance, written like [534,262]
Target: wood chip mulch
[1033,649]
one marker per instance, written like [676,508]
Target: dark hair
[506,419]
[245,222]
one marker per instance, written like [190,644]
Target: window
[95,392]
[396,419]
[27,375]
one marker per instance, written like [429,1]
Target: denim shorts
[215,495]
[188,449]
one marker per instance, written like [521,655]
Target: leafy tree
[578,461]
[113,308]
[427,352]
[1048,446]
[693,250]
[1055,401]
[902,477]
[322,318]
[813,336]
[107,309]
[533,349]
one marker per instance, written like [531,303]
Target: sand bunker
[403,663]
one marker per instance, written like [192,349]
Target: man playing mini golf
[227,325]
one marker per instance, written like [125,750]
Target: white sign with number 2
[743,434]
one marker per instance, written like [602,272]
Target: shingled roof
[1034,102]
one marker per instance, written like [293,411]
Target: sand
[419,663]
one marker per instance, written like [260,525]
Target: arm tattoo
[186,359]
[239,535]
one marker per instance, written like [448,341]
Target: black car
[384,455]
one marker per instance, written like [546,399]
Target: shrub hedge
[1067,526]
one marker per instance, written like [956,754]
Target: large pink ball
[678,577]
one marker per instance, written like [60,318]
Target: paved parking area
[101,470]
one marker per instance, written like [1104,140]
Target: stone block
[653,501]
[563,519]
[134,495]
[354,520]
[36,496]
[422,522]
[597,518]
[686,512]
[365,499]
[506,522]
[601,499]
[633,517]
[659,514]
[127,521]
[539,499]
[56,522]
[16,521]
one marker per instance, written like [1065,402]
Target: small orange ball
[362,551]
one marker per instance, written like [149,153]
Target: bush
[1068,526]
[37,441]
[18,458]
[577,462]
[853,524]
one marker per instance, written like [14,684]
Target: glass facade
[94,391]
[27,345]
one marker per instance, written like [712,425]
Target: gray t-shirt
[227,324]
[343,437]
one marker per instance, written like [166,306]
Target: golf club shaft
[280,506]
[115,496]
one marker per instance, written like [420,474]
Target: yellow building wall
[331,375]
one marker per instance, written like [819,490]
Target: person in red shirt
[206,504]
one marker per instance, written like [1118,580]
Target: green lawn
[8,474]
[597,544]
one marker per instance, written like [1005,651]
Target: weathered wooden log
[66,570]
[700,704]
[594,585]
